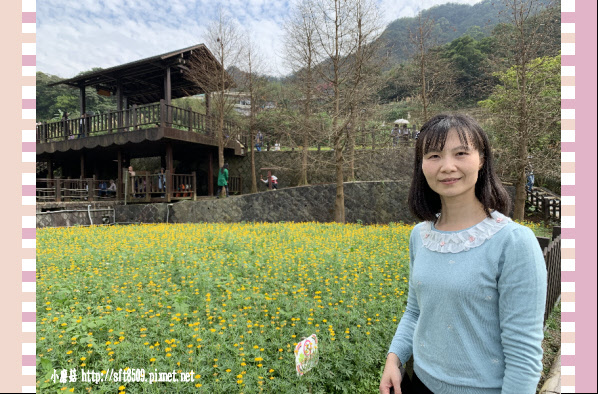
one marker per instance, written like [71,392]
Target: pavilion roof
[142,80]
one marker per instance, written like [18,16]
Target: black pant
[219,192]
[417,387]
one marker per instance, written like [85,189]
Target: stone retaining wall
[75,216]
[365,202]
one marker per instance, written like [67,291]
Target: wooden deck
[151,121]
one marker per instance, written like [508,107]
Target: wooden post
[64,129]
[146,188]
[162,113]
[58,190]
[90,191]
[119,189]
[168,185]
[126,112]
[269,179]
[134,113]
[210,176]
[119,105]
[169,157]
[109,118]
[194,186]
[82,108]
[190,119]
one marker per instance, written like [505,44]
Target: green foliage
[453,20]
[473,67]
[542,102]
[53,101]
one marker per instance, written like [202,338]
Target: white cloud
[76,35]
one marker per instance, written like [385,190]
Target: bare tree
[209,73]
[433,74]
[300,55]
[253,85]
[343,31]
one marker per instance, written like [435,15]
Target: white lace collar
[463,240]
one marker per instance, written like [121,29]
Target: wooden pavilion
[97,147]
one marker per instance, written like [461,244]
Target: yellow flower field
[226,301]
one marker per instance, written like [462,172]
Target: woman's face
[452,172]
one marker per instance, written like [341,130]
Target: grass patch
[551,343]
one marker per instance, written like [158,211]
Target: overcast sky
[76,35]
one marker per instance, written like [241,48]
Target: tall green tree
[472,66]
[538,143]
[523,38]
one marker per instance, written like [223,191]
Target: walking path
[553,382]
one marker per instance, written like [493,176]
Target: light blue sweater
[474,317]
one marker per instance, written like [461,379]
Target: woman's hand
[391,377]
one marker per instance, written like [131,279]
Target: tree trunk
[253,176]
[339,200]
[519,209]
[351,146]
[303,178]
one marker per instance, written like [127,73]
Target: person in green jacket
[222,180]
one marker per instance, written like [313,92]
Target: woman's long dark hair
[225,166]
[425,203]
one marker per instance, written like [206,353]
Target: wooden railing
[235,185]
[551,248]
[139,188]
[87,189]
[131,119]
[545,201]
[162,187]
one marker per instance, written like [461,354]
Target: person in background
[111,191]
[274,181]
[477,280]
[133,180]
[395,134]
[259,141]
[222,180]
[529,175]
[103,188]
[162,182]
[405,133]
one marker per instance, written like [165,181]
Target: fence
[235,185]
[545,201]
[86,189]
[143,187]
[552,256]
[167,187]
[130,119]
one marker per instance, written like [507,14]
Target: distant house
[242,102]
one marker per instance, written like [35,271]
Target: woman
[477,287]
[222,180]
